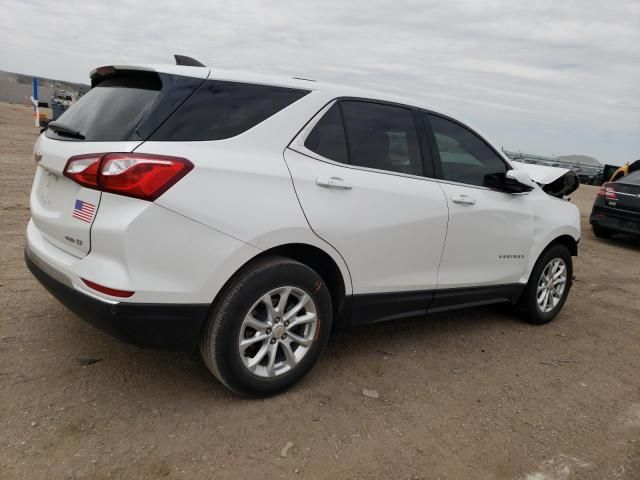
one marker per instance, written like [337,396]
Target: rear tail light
[607,191]
[138,175]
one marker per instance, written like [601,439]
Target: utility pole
[34,100]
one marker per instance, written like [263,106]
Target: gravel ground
[463,395]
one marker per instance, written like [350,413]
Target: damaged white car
[246,215]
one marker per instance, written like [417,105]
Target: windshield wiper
[65,130]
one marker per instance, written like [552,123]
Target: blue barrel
[57,109]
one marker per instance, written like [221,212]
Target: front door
[490,231]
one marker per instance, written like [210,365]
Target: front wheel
[268,328]
[548,287]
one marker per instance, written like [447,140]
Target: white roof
[331,89]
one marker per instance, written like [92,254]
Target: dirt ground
[463,395]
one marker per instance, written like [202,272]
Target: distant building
[12,92]
[587,172]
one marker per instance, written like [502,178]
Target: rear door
[116,115]
[370,195]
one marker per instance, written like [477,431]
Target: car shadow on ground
[621,240]
[167,374]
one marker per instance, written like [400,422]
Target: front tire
[548,286]
[268,328]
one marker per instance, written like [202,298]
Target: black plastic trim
[379,307]
[363,309]
[156,325]
[455,298]
[428,162]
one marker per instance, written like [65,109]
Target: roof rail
[187,61]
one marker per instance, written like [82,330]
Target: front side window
[382,137]
[327,137]
[465,157]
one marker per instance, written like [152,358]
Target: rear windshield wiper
[65,130]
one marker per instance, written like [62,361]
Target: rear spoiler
[185,66]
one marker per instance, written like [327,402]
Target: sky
[547,77]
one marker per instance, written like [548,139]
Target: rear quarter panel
[241,186]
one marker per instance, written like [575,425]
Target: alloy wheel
[278,331]
[551,285]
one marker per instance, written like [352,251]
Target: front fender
[551,221]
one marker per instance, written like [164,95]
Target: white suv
[178,206]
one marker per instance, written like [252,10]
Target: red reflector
[139,175]
[109,291]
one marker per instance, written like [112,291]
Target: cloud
[547,77]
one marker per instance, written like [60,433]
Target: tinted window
[382,136]
[464,156]
[224,109]
[113,109]
[327,137]
[633,178]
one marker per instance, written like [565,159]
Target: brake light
[109,291]
[138,175]
[607,191]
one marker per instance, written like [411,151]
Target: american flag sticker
[83,211]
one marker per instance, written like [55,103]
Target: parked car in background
[616,208]
[625,169]
[178,206]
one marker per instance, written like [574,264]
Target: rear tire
[602,232]
[548,287]
[268,327]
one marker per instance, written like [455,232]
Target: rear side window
[113,109]
[327,137]
[221,110]
[382,137]
[465,157]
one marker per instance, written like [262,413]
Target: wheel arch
[566,240]
[315,258]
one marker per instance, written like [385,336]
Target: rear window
[633,178]
[129,106]
[221,109]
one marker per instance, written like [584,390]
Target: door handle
[463,200]
[333,182]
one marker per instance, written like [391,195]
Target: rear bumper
[617,220]
[168,326]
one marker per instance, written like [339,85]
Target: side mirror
[518,181]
